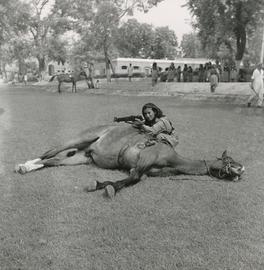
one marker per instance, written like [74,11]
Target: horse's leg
[145,162]
[69,157]
[59,85]
[79,143]
[72,86]
[92,83]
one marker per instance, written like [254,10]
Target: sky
[168,13]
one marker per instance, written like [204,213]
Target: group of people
[206,73]
[210,73]
[160,128]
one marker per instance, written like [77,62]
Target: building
[143,66]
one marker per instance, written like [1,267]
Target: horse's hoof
[91,186]
[20,168]
[16,169]
[110,191]
[144,177]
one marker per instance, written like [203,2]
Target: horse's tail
[52,78]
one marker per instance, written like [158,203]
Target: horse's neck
[193,167]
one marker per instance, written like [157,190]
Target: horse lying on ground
[72,78]
[124,147]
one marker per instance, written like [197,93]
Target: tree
[57,49]
[42,23]
[221,22]
[97,21]
[255,43]
[20,50]
[134,39]
[105,24]
[13,17]
[164,43]
[191,46]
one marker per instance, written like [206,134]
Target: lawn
[181,222]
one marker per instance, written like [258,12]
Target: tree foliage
[13,15]
[255,42]
[164,43]
[191,46]
[221,22]
[97,21]
[135,39]
[44,21]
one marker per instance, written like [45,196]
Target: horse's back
[111,140]
[64,78]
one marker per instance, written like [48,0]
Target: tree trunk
[241,38]
[107,68]
[4,70]
[21,66]
[42,65]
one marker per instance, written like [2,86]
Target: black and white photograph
[131,135]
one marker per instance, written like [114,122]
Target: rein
[207,168]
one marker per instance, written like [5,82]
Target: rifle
[130,118]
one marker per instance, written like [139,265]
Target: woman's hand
[138,124]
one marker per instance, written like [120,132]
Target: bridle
[224,171]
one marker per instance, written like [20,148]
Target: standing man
[214,80]
[130,72]
[179,74]
[257,86]
[154,74]
[185,73]
[25,78]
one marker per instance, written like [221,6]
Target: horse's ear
[224,155]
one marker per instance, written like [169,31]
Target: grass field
[181,222]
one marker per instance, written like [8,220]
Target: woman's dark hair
[157,111]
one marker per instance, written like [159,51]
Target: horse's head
[226,168]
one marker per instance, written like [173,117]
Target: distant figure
[185,73]
[25,78]
[257,86]
[190,74]
[15,79]
[233,74]
[97,84]
[171,73]
[154,74]
[178,74]
[201,73]
[164,75]
[219,70]
[130,72]
[213,80]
